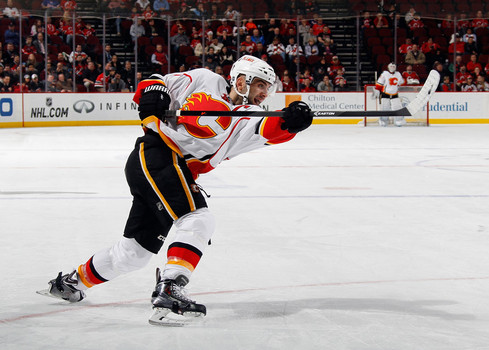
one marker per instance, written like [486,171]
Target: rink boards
[69,109]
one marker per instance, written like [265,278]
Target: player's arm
[153,97]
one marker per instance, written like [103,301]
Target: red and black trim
[88,275]
[183,254]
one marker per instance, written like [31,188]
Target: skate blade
[165,317]
[45,292]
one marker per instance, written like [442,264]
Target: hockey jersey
[389,83]
[206,141]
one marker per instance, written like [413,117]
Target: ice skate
[64,287]
[384,121]
[171,305]
[399,121]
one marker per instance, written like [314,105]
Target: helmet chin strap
[245,95]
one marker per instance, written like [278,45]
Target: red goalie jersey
[206,141]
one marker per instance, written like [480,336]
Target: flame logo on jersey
[393,81]
[204,127]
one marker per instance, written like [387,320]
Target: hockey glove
[297,117]
[155,100]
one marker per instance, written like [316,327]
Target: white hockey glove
[375,94]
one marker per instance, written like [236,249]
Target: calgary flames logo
[204,127]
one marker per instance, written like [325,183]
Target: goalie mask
[391,67]
[252,67]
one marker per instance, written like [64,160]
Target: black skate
[171,305]
[64,287]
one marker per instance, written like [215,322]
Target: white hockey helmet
[252,67]
[391,67]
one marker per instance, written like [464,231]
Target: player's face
[258,91]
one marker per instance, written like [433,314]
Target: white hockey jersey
[389,83]
[206,141]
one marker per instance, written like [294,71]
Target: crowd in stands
[459,52]
[303,54]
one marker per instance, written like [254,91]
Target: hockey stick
[412,108]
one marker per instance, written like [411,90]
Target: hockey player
[161,173]
[387,88]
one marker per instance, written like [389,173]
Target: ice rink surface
[345,238]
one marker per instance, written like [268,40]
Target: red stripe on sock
[184,254]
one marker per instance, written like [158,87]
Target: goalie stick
[412,108]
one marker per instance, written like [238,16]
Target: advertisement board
[45,109]
[68,109]
[10,110]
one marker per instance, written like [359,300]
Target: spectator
[410,15]
[317,27]
[39,44]
[416,22]
[184,11]
[6,85]
[36,28]
[260,51]
[304,28]
[103,79]
[51,83]
[199,11]
[339,76]
[77,54]
[10,10]
[230,13]
[248,47]
[141,5]
[117,84]
[410,76]
[159,60]
[462,77]
[311,48]
[225,57]
[211,60]
[479,21]
[288,85]
[257,37]
[11,35]
[415,56]
[224,27]
[335,67]
[447,23]
[469,86]
[64,85]
[161,6]
[472,64]
[471,46]
[179,39]
[127,74]
[429,47]
[328,47]
[227,39]
[482,84]
[325,84]
[293,49]
[406,47]
[462,23]
[137,29]
[469,33]
[341,84]
[456,45]
[35,85]
[380,21]
[446,85]
[29,46]
[308,87]
[216,45]
[89,76]
[367,21]
[50,5]
[276,48]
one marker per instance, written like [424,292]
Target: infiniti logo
[83,105]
